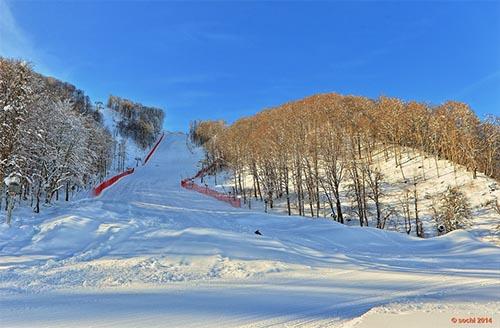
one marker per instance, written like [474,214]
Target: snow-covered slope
[111,119]
[149,253]
[433,177]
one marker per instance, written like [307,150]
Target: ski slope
[147,253]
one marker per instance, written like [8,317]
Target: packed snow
[147,253]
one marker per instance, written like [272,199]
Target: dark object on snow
[257,232]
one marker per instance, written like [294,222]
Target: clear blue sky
[232,59]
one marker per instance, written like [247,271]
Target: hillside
[148,252]
[481,192]
[403,165]
[134,127]
[140,123]
[125,150]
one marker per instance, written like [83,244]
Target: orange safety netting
[189,184]
[105,184]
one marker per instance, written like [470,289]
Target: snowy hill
[131,149]
[149,253]
[433,177]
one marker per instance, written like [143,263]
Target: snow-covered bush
[493,204]
[454,211]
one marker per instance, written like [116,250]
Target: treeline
[51,137]
[319,143]
[206,133]
[202,131]
[139,122]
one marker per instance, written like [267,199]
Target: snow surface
[147,253]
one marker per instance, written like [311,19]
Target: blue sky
[200,60]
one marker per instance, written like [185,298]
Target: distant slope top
[141,123]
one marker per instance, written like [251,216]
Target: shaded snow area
[148,253]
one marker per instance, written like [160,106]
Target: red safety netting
[153,149]
[105,184]
[189,184]
[203,171]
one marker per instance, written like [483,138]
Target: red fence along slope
[189,184]
[105,184]
[151,152]
[109,182]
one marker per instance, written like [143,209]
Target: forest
[317,145]
[139,122]
[52,138]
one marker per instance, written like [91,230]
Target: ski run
[148,253]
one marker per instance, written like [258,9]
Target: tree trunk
[66,197]
[287,191]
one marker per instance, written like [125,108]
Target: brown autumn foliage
[316,143]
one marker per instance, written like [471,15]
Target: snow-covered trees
[49,134]
[141,123]
[17,95]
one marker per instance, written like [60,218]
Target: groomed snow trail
[148,253]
